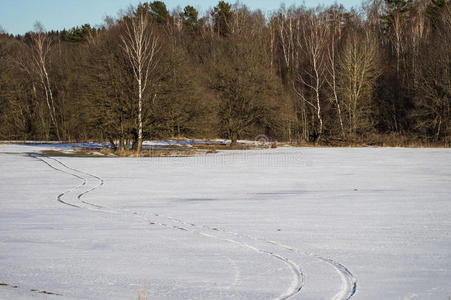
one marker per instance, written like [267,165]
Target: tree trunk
[334,87]
[113,145]
[135,141]
[52,102]
[318,104]
[121,144]
[318,114]
[140,121]
[141,45]
[234,139]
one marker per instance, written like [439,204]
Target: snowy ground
[297,223]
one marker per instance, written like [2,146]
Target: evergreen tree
[159,11]
[222,16]
[190,15]
[78,34]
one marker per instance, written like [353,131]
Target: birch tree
[358,73]
[336,20]
[313,43]
[285,29]
[39,51]
[141,44]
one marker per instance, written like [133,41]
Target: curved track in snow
[349,282]
[297,275]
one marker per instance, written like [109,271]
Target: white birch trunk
[140,44]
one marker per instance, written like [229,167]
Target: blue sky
[18,16]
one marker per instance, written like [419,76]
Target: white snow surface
[286,223]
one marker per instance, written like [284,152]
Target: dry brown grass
[159,152]
[142,293]
[374,140]
[107,152]
[396,140]
[182,152]
[215,147]
[74,153]
[371,140]
[168,151]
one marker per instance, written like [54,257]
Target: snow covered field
[297,223]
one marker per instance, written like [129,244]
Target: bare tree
[397,38]
[432,116]
[313,43]
[285,26]
[399,16]
[358,73]
[38,52]
[336,20]
[285,31]
[141,45]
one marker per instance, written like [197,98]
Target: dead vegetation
[158,151]
[142,294]
[199,148]
[374,140]
[152,152]
[45,292]
[31,290]
[215,147]
[9,285]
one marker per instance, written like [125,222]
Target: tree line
[297,74]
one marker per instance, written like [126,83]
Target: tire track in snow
[297,275]
[237,277]
[59,198]
[349,282]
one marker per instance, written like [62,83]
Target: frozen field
[286,223]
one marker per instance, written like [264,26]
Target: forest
[377,74]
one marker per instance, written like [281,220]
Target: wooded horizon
[300,74]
